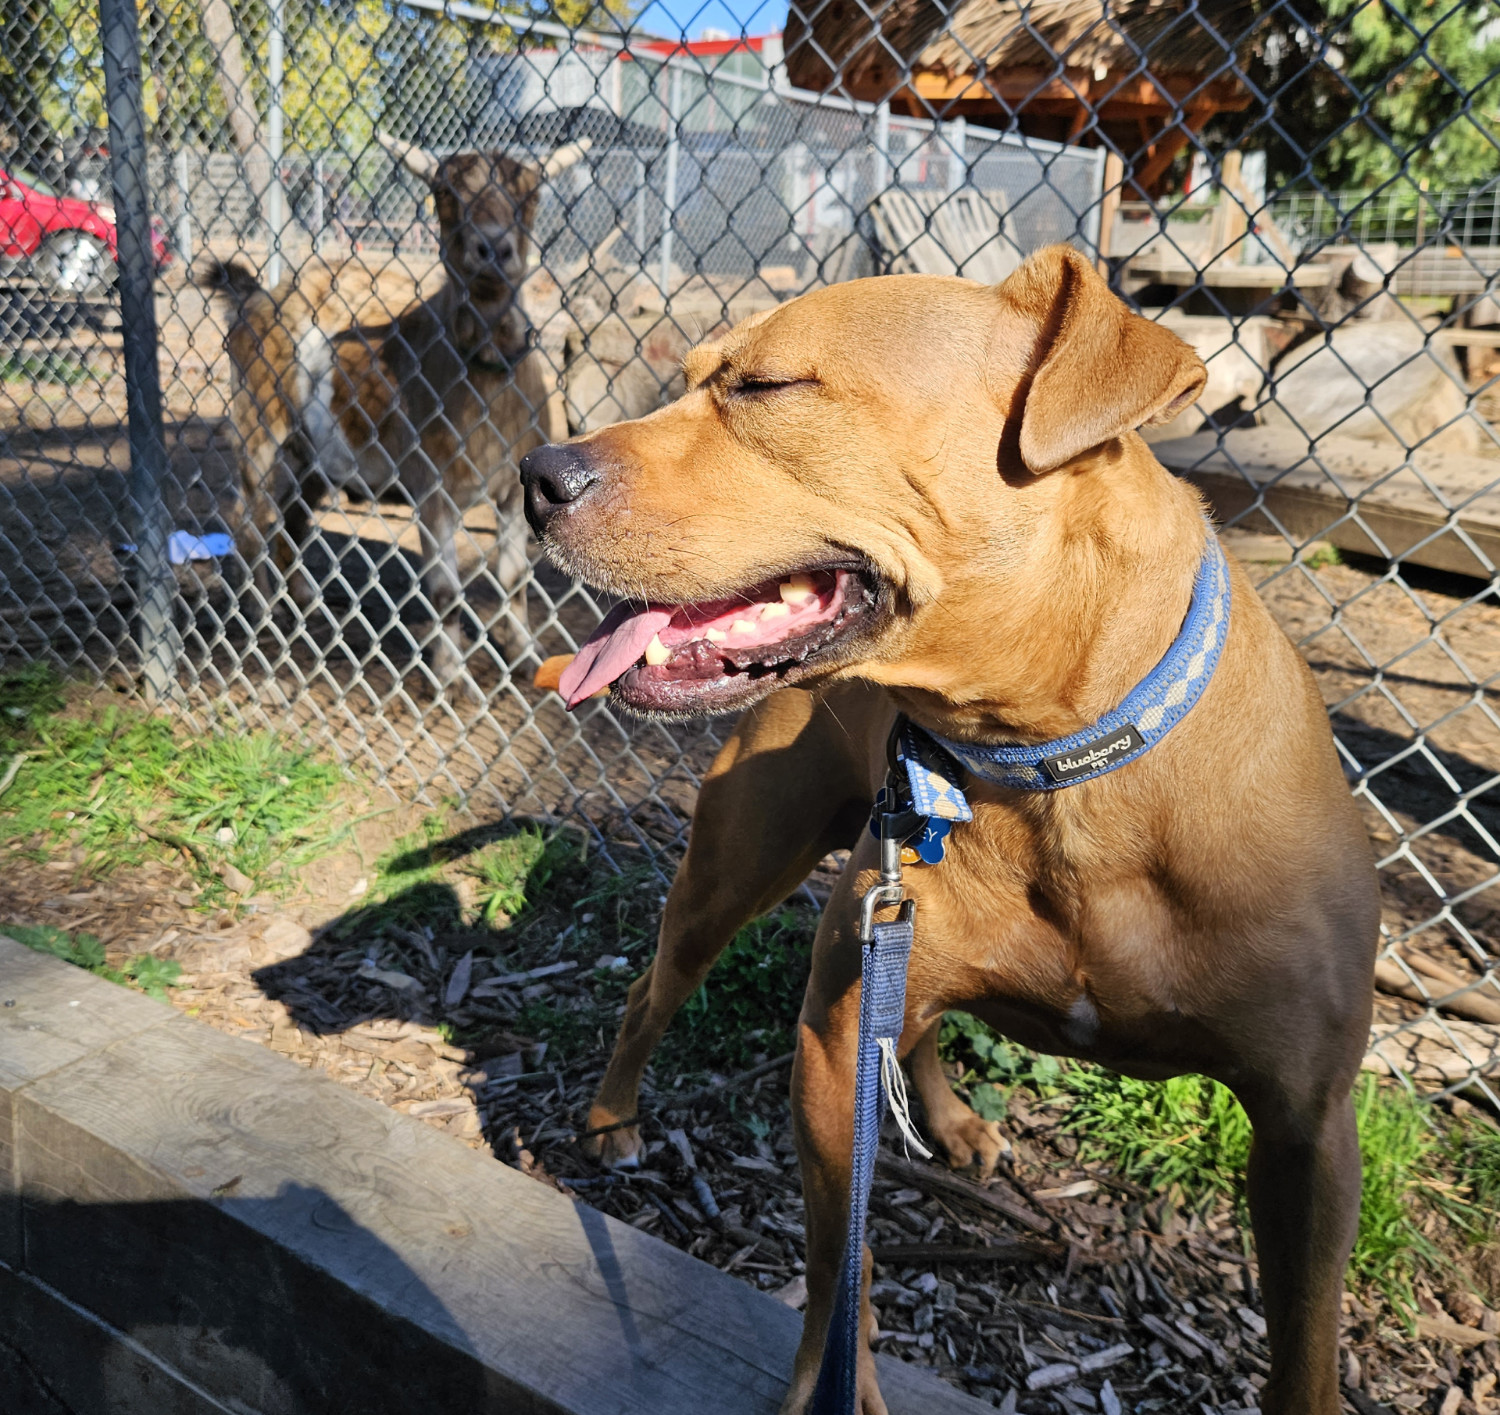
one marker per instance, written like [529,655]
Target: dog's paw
[966,1139]
[613,1148]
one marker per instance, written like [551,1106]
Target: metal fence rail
[1345,302]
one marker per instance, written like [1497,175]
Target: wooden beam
[1114,181]
[255,1227]
[1166,147]
[1273,468]
[1035,85]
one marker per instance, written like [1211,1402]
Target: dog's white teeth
[742,626]
[775,611]
[657,653]
[715,636]
[797,590]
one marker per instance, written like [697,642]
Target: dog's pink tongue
[620,639]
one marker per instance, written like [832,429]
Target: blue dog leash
[919,805]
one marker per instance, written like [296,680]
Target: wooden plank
[275,1239]
[52,1015]
[1171,269]
[1472,338]
[1311,492]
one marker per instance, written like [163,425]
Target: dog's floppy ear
[1099,370]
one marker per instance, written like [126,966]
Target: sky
[692,17]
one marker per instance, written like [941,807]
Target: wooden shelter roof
[1145,74]
[1183,39]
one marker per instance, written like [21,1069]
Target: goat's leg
[439,519]
[512,572]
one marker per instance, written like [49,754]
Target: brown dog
[435,406]
[951,473]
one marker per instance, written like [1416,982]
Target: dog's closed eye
[757,385]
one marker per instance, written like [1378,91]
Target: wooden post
[1109,206]
[1233,219]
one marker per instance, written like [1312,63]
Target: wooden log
[252,1228]
[1004,1250]
[999,1198]
[1296,483]
[1391,977]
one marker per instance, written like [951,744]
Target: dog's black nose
[554,476]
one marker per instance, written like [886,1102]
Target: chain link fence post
[156,633]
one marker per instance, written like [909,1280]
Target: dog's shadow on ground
[427,957]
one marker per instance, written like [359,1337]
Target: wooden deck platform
[193,1225]
[1312,491]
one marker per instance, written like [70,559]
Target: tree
[1431,73]
[1364,90]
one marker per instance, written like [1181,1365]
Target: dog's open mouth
[719,655]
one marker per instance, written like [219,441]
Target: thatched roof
[1186,38]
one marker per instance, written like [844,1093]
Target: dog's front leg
[823,1117]
[785,790]
[1304,1186]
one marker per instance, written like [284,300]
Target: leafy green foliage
[751,1002]
[1429,71]
[1432,71]
[122,784]
[1188,1131]
[150,975]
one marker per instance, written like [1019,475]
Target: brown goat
[437,406]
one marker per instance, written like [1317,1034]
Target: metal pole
[669,196]
[184,207]
[640,210]
[275,198]
[958,153]
[319,219]
[154,585]
[882,147]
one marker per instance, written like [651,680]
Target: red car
[68,244]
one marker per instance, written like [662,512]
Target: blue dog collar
[933,765]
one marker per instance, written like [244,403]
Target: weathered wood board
[202,1220]
[1311,491]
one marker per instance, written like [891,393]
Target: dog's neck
[1119,547]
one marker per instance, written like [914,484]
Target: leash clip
[888,889]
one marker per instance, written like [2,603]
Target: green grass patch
[1189,1133]
[750,1002]
[152,976]
[515,870]
[122,784]
[1323,556]
[46,367]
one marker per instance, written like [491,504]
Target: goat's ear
[1098,370]
[564,157]
[417,160]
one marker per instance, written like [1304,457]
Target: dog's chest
[1087,968]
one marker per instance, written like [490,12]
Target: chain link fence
[1307,193]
